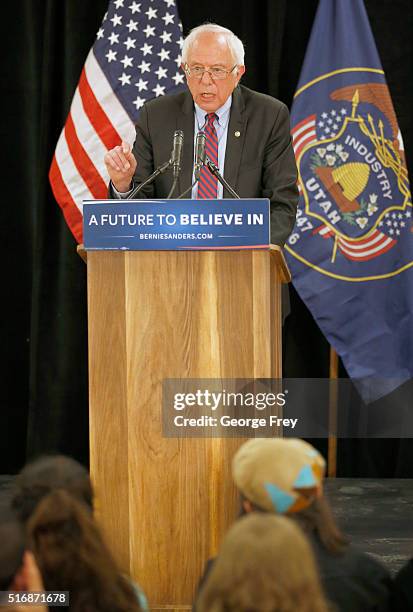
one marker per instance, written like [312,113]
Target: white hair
[235,45]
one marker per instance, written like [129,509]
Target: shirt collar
[222,113]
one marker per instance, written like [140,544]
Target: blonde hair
[265,564]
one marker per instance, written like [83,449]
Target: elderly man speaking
[248,134]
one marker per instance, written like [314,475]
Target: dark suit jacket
[258,163]
[352,581]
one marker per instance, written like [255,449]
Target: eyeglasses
[197,72]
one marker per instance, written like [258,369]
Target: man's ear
[240,72]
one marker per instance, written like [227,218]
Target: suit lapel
[235,140]
[185,122]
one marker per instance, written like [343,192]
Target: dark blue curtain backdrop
[43,356]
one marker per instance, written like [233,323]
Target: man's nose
[206,77]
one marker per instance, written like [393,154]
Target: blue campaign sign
[167,225]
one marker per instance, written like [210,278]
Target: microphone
[177,152]
[213,168]
[159,170]
[199,153]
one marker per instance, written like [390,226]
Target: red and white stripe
[303,134]
[324,231]
[96,122]
[372,246]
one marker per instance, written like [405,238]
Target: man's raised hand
[121,165]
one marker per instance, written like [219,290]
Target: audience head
[265,564]
[72,556]
[285,476]
[279,475]
[47,474]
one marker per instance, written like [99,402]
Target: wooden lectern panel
[108,411]
[165,503]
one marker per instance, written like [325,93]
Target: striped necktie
[207,184]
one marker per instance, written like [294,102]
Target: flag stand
[332,415]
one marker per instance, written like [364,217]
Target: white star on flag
[163,54]
[168,18]
[132,26]
[149,31]
[142,85]
[162,73]
[130,43]
[116,20]
[127,62]
[151,13]
[111,55]
[113,38]
[139,102]
[166,37]
[159,91]
[144,66]
[146,49]
[125,79]
[135,8]
[178,78]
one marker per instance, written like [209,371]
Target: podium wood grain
[164,504]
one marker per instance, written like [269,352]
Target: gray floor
[377,515]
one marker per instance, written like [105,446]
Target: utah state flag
[351,251]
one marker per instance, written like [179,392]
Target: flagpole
[332,415]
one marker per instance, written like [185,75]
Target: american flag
[303,134]
[135,57]
[365,249]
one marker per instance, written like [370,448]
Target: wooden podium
[164,504]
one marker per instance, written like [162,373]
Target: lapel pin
[237,134]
